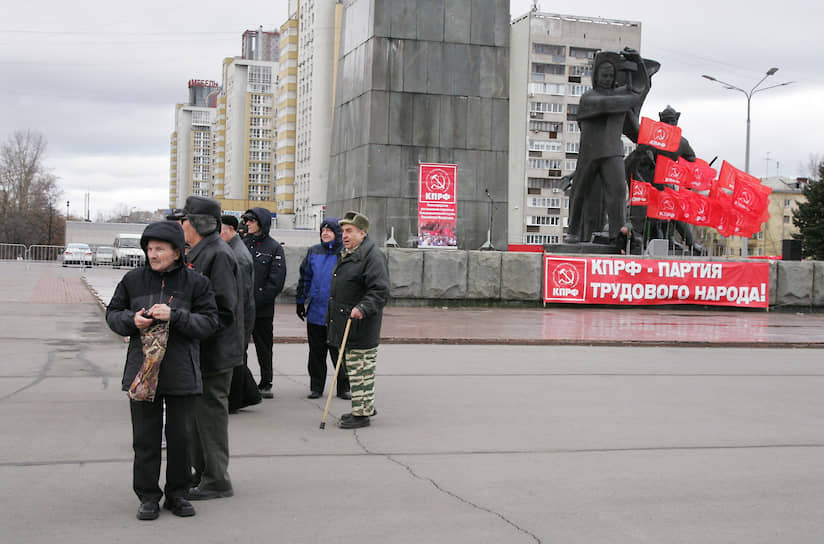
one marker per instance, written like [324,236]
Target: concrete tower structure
[422,81]
[550,68]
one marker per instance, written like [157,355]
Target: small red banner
[437,205]
[590,280]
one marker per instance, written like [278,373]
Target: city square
[472,443]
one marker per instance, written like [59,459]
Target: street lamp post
[749,94]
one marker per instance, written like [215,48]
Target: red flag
[750,198]
[743,224]
[701,209]
[719,217]
[659,135]
[671,172]
[639,193]
[690,205]
[663,205]
[726,178]
[702,175]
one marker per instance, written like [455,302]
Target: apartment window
[573,147]
[571,164]
[544,145]
[201,118]
[556,89]
[545,164]
[260,79]
[538,220]
[786,219]
[543,202]
[545,126]
[580,70]
[577,89]
[540,239]
[787,203]
[546,107]
[547,49]
[573,127]
[582,53]
[553,69]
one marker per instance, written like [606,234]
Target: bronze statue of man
[609,110]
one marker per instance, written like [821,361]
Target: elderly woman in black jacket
[164,289]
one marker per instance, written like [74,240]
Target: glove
[300,311]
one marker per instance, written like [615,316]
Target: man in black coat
[220,353]
[270,275]
[359,289]
[244,391]
[164,289]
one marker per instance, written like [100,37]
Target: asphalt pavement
[473,442]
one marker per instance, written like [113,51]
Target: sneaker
[179,507]
[148,510]
[354,422]
[313,395]
[266,392]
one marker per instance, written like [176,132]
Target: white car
[77,254]
[103,255]
[127,251]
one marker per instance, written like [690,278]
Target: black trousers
[264,333]
[147,429]
[317,360]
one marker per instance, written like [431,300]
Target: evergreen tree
[809,218]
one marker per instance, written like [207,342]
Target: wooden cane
[337,369]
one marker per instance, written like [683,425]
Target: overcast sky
[100,80]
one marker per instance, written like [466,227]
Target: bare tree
[811,168]
[28,192]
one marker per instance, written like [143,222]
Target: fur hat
[357,219]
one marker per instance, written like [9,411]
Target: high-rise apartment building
[245,127]
[287,106]
[318,31]
[191,144]
[550,68]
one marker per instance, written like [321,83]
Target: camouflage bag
[154,340]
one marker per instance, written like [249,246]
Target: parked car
[127,251]
[77,254]
[103,255]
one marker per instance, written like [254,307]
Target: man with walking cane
[358,291]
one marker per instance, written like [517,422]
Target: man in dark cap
[358,291]
[270,275]
[241,393]
[219,353]
[163,290]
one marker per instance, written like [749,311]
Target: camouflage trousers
[360,365]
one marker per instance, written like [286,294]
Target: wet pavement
[558,325]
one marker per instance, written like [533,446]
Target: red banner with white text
[593,280]
[437,205]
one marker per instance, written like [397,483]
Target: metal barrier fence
[12,252]
[44,253]
[19,252]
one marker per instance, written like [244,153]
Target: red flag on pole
[702,175]
[639,193]
[663,205]
[750,198]
[667,171]
[701,209]
[659,135]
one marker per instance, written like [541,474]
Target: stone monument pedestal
[582,248]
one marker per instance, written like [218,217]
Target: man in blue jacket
[312,298]
[270,274]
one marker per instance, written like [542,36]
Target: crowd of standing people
[190,312]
